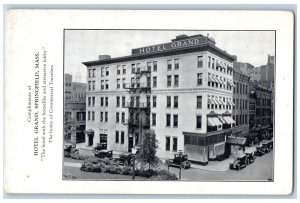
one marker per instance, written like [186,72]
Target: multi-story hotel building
[182,90]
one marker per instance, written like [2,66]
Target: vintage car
[238,163]
[102,146]
[268,145]
[250,157]
[260,150]
[222,157]
[179,160]
[103,154]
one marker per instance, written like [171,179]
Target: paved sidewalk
[78,165]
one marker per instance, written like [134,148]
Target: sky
[85,45]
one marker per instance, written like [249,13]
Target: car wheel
[238,168]
[182,166]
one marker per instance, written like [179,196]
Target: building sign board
[191,42]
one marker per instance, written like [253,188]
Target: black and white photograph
[169,105]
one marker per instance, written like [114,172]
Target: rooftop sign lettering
[171,45]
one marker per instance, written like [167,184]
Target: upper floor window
[118,70]
[213,63]
[176,80]
[154,81]
[154,66]
[209,61]
[118,83]
[168,120]
[106,71]
[169,64]
[132,68]
[169,81]
[168,101]
[124,69]
[176,63]
[175,101]
[200,61]
[199,78]
[198,121]
[199,102]
[175,120]
[149,66]
[154,101]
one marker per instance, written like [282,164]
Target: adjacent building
[260,122]
[74,108]
[245,68]
[182,90]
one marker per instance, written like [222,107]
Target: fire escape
[138,105]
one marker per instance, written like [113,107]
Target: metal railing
[137,85]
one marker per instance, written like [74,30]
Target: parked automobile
[102,146]
[250,157]
[238,163]
[268,145]
[260,150]
[179,160]
[103,153]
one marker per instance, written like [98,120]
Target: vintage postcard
[119,102]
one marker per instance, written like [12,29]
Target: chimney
[104,57]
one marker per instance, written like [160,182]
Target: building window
[154,119]
[102,71]
[106,71]
[101,116]
[117,117]
[123,101]
[168,101]
[209,61]
[199,102]
[138,67]
[93,85]
[168,143]
[198,121]
[106,101]
[118,101]
[122,137]
[154,81]
[90,73]
[118,70]
[124,69]
[93,101]
[124,83]
[89,115]
[175,101]
[123,117]
[118,83]
[154,66]
[90,85]
[176,64]
[93,115]
[101,101]
[149,66]
[89,101]
[106,116]
[117,136]
[132,68]
[169,81]
[199,78]
[168,120]
[200,61]
[175,120]
[213,63]
[154,101]
[174,143]
[176,80]
[169,64]
[102,84]
[106,84]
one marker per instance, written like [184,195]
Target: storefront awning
[218,80]
[230,102]
[228,119]
[216,100]
[211,122]
[222,119]
[217,121]
[210,101]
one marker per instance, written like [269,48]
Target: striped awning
[230,102]
[218,80]
[216,101]
[216,120]
[221,119]
[222,101]
[210,79]
[211,122]
[229,119]
[210,101]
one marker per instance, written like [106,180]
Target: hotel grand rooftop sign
[185,43]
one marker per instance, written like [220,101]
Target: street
[260,170]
